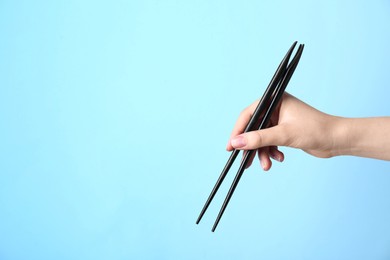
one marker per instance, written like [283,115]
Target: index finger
[242,122]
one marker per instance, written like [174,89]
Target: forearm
[365,137]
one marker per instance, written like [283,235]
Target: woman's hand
[293,124]
[296,124]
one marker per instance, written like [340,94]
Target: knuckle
[258,138]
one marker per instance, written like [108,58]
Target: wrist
[342,136]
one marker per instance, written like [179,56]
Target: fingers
[265,162]
[241,123]
[250,160]
[275,154]
[266,153]
[274,136]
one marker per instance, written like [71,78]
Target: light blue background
[114,116]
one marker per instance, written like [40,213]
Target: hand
[293,124]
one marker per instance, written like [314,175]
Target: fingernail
[238,141]
[277,158]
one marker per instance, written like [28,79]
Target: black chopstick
[259,109]
[275,89]
[264,122]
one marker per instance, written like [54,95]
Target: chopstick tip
[199,218]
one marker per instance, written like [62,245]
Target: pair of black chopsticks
[259,120]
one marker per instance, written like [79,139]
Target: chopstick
[274,91]
[275,101]
[251,125]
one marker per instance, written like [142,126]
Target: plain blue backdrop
[114,116]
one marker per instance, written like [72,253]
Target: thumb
[274,136]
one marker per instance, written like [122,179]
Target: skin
[298,125]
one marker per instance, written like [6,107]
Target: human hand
[293,124]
